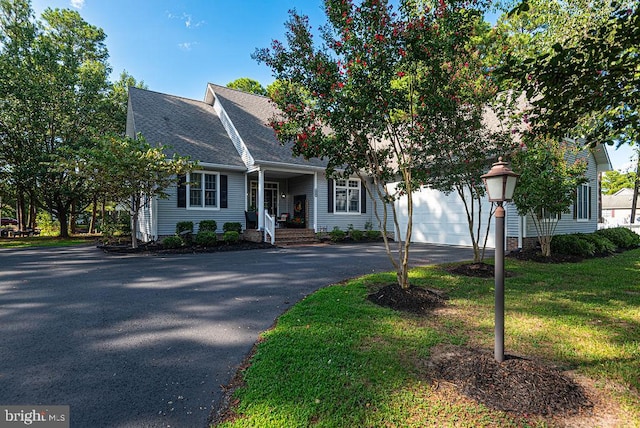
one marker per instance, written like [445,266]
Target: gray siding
[330,220]
[169,214]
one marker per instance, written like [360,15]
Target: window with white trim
[203,190]
[582,202]
[347,196]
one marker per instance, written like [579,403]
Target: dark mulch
[478,270]
[155,248]
[516,385]
[535,255]
[413,299]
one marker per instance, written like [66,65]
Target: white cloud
[186,46]
[78,4]
[185,18]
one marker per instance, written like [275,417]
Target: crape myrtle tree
[550,172]
[363,99]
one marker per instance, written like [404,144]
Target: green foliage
[247,85]
[184,226]
[572,245]
[172,242]
[356,234]
[373,234]
[232,227]
[231,237]
[621,236]
[48,227]
[584,79]
[206,238]
[603,246]
[399,76]
[337,235]
[613,181]
[207,226]
[547,184]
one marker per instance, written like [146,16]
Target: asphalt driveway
[147,341]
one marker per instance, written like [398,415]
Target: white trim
[578,200]
[219,166]
[233,133]
[335,191]
[202,189]
[315,202]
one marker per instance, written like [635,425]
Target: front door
[270,196]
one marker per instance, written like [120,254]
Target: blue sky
[178,46]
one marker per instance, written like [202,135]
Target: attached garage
[439,218]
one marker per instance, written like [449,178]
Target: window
[347,196]
[582,208]
[203,190]
[545,215]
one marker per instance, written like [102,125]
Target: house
[241,166]
[440,218]
[616,208]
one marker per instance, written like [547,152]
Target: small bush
[356,235]
[621,237]
[207,226]
[232,227]
[373,234]
[572,245]
[603,246]
[172,242]
[184,226]
[337,235]
[206,238]
[231,237]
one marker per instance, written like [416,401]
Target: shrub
[603,246]
[337,235]
[172,242]
[373,234]
[206,238]
[232,227]
[184,226]
[572,245]
[356,235]
[231,237]
[207,226]
[621,237]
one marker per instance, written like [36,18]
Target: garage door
[440,219]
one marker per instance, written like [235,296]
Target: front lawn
[337,360]
[43,241]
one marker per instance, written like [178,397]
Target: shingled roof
[250,115]
[188,127]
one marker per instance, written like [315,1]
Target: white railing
[633,227]
[269,227]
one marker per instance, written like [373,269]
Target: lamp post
[500,183]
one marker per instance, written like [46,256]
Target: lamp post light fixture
[500,183]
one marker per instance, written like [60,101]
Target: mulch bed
[154,248]
[516,385]
[535,255]
[478,270]
[413,299]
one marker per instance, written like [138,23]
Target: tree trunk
[64,223]
[94,215]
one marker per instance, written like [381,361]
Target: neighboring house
[616,208]
[241,166]
[441,219]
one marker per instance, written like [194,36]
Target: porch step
[295,236]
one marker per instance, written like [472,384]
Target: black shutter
[224,200]
[182,191]
[363,198]
[330,195]
[589,191]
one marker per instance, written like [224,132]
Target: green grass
[336,360]
[43,241]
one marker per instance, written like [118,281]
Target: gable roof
[188,127]
[250,115]
[622,199]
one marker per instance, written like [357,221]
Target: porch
[283,236]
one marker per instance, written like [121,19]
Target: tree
[247,85]
[588,82]
[613,181]
[363,99]
[550,172]
[130,172]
